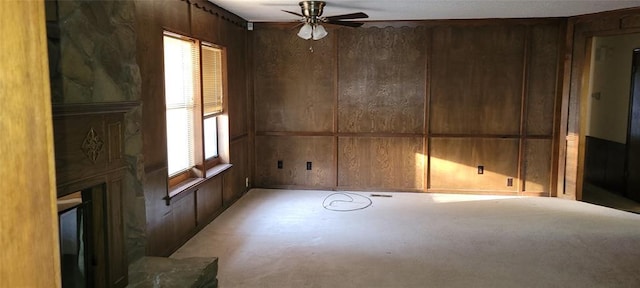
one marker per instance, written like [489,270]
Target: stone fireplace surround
[89,142]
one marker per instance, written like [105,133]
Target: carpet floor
[295,238]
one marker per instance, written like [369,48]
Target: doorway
[612,157]
[632,168]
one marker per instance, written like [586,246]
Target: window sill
[218,169]
[193,182]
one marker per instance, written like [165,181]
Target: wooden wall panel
[149,18]
[381,162]
[295,152]
[294,87]
[174,15]
[454,164]
[382,74]
[537,164]
[234,180]
[158,228]
[630,21]
[476,79]
[604,164]
[209,200]
[204,25]
[149,57]
[183,219]
[118,264]
[99,238]
[237,82]
[231,27]
[541,94]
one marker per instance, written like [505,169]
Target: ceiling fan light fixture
[319,32]
[306,31]
[311,18]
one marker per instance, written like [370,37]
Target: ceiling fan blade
[297,25]
[345,23]
[357,15]
[294,13]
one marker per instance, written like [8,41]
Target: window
[193,99]
[181,80]
[212,96]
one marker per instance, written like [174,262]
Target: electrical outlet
[480,169]
[509,182]
[280,164]
[309,165]
[246,182]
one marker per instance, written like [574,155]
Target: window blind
[181,79]
[211,79]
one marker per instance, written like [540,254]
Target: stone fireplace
[95,90]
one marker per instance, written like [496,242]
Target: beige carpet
[282,238]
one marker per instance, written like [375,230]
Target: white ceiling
[269,10]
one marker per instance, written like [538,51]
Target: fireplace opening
[74,244]
[81,218]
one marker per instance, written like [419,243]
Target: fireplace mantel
[89,142]
[61,110]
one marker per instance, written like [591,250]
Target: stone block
[180,273]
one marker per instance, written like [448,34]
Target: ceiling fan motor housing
[312,9]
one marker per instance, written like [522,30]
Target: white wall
[608,105]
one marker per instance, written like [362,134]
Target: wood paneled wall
[476,79]
[604,164]
[168,226]
[381,162]
[409,106]
[300,84]
[381,75]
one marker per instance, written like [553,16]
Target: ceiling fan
[312,18]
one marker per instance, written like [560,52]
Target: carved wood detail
[92,145]
[80,155]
